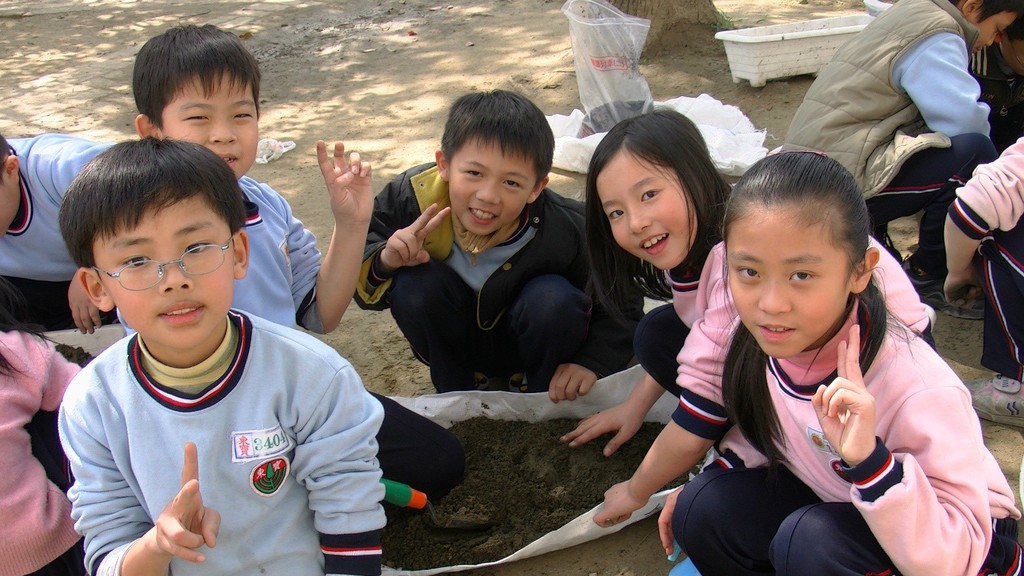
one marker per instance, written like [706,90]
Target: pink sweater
[993,199]
[37,524]
[929,492]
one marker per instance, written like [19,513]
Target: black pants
[1002,279]
[415,451]
[542,327]
[741,521]
[658,338]
[46,304]
[927,182]
[47,450]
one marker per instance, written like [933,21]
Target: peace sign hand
[185,524]
[405,246]
[845,408]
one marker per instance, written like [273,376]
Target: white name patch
[259,444]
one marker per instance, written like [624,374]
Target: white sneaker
[998,399]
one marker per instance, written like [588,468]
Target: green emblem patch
[268,476]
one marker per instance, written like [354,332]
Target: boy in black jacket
[999,70]
[484,268]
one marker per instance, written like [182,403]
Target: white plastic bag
[606,47]
[450,407]
[732,140]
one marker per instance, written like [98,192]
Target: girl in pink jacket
[849,446]
[37,536]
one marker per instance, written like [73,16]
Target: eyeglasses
[143,273]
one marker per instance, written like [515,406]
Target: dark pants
[657,341]
[416,451]
[70,563]
[927,182]
[740,521]
[46,304]
[47,450]
[540,329]
[1002,278]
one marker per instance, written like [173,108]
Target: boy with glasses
[201,85]
[271,430]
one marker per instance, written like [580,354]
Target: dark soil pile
[521,478]
[74,354]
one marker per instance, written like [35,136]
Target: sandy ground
[379,76]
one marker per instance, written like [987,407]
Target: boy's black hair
[670,141]
[990,8]
[500,117]
[825,194]
[132,179]
[171,61]
[1015,31]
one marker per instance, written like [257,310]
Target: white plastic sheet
[733,141]
[457,406]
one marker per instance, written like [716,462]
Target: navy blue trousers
[658,338]
[47,450]
[542,327]
[1001,270]
[46,304]
[927,182]
[738,522]
[416,451]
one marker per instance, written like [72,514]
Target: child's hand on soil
[846,410]
[185,524]
[570,381]
[621,419]
[405,247]
[960,287]
[348,183]
[619,505]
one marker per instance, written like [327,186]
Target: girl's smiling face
[789,282]
[647,209]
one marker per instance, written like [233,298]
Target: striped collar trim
[23,217]
[799,391]
[215,392]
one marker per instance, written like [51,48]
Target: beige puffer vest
[853,112]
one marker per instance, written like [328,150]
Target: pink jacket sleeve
[937,518]
[37,523]
[993,199]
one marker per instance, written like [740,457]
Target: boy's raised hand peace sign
[348,183]
[846,410]
[185,524]
[405,246]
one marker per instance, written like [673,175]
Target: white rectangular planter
[766,52]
